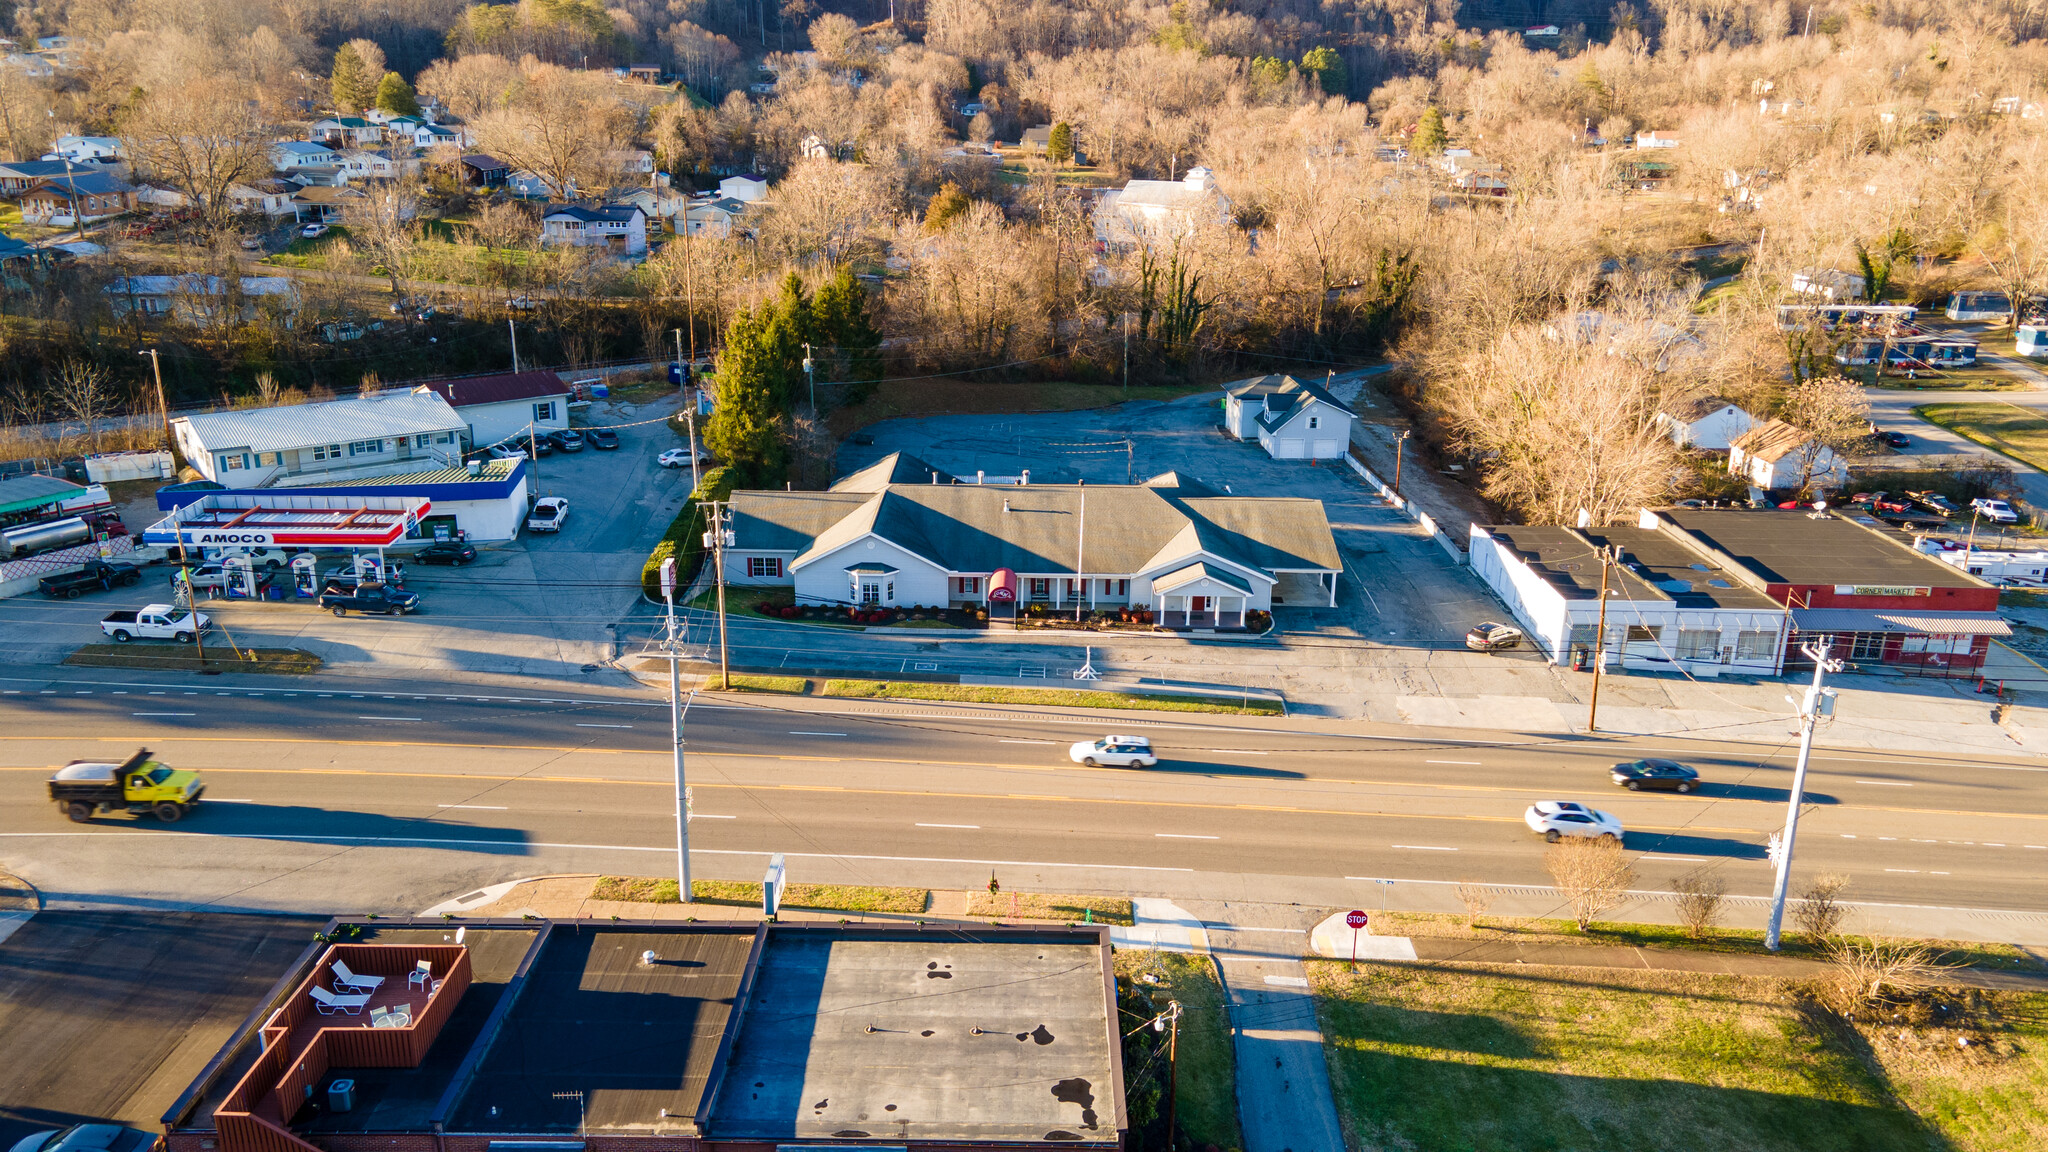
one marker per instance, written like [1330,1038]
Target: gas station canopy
[279,519]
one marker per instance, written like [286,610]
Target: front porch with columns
[1200,596]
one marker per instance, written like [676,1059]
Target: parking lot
[539,605]
[109,1015]
[1399,586]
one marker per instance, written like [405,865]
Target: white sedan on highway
[1114,752]
[1556,819]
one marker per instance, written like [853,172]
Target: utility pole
[675,712]
[1400,442]
[1127,352]
[509,327]
[811,377]
[1081,550]
[163,410]
[690,422]
[185,581]
[682,365]
[1172,1065]
[715,539]
[1599,648]
[1818,702]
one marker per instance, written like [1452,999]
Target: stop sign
[1354,919]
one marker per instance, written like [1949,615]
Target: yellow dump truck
[137,784]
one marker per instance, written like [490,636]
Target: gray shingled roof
[1280,396]
[1036,528]
[895,468]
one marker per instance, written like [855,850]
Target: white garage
[1290,419]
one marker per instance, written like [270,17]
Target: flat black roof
[1790,547]
[1654,566]
[637,1040]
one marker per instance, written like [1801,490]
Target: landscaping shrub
[685,535]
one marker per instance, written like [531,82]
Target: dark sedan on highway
[1669,775]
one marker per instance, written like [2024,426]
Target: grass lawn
[2006,429]
[1976,381]
[1042,906]
[1054,697]
[744,683]
[1558,1059]
[819,897]
[949,397]
[1207,1088]
[1725,941]
[169,657]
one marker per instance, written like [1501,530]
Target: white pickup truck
[158,621]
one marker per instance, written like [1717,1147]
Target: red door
[1197,604]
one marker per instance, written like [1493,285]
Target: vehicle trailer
[137,784]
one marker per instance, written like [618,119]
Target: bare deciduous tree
[1698,897]
[204,137]
[1865,972]
[1593,875]
[1834,411]
[568,128]
[384,224]
[1477,898]
[1819,911]
[828,209]
[88,395]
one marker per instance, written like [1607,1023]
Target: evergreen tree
[747,427]
[350,82]
[1271,69]
[395,96]
[946,205]
[1059,146]
[1328,69]
[1429,133]
[840,312]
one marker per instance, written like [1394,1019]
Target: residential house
[102,150]
[35,67]
[715,218]
[293,155]
[404,127]
[89,196]
[383,433]
[1036,140]
[1709,423]
[160,195]
[1978,306]
[55,43]
[634,160]
[745,189]
[1290,419]
[18,176]
[1654,139]
[1778,457]
[619,227]
[428,136]
[527,185]
[483,171]
[902,533]
[340,132]
[20,262]
[358,164]
[200,300]
[322,205]
[1828,284]
[1159,211]
[1542,30]
[659,203]
[268,196]
[644,74]
[506,406]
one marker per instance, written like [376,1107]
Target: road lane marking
[1913,870]
[1655,856]
[1182,836]
[1235,752]
[604,725]
[227,800]
[479,807]
[1469,763]
[976,827]
[817,733]
[412,719]
[1423,847]
[1027,741]
[163,713]
[1886,783]
[709,816]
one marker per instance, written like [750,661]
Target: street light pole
[675,706]
[1818,702]
[811,377]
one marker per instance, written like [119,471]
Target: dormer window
[1315,422]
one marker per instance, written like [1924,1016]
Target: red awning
[1002,586]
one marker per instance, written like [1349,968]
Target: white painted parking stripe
[817,733]
[1423,847]
[479,807]
[604,725]
[163,713]
[413,719]
[1183,836]
[975,827]
[1288,981]
[1915,870]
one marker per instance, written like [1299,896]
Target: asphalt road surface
[392,801]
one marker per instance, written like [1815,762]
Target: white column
[1333,589]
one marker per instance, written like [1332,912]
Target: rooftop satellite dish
[1820,505]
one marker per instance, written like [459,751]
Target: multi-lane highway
[347,796]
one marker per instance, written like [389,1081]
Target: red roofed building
[505,405]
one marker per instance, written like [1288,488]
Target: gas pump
[369,569]
[241,578]
[306,576]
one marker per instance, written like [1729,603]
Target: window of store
[967,585]
[1702,644]
[1756,645]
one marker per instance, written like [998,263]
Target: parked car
[1896,439]
[521,304]
[312,230]
[209,575]
[271,559]
[1996,511]
[87,1138]
[97,575]
[548,515]
[566,439]
[1114,751]
[601,438]
[1493,637]
[505,452]
[680,457]
[378,598]
[1934,502]
[1886,502]
[446,552]
[1637,775]
[347,577]
[156,622]
[1556,819]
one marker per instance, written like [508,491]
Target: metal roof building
[383,432]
